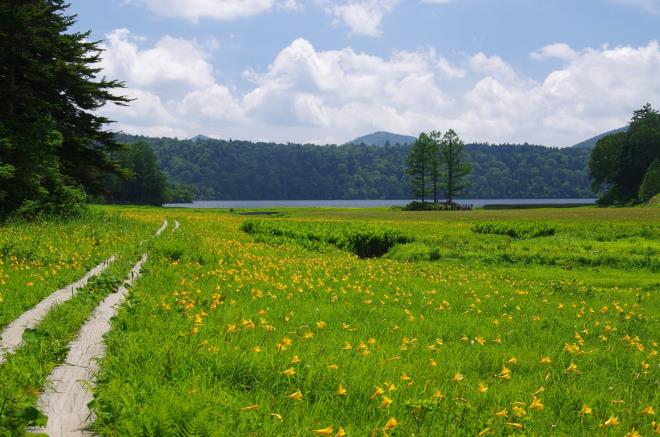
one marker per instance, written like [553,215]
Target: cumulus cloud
[557,51]
[334,95]
[363,17]
[217,9]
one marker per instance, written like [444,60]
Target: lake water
[361,203]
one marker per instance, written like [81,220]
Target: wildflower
[502,413]
[519,411]
[612,421]
[405,377]
[250,408]
[276,416]
[482,388]
[379,392]
[484,432]
[437,395]
[347,346]
[458,377]
[325,431]
[256,349]
[321,324]
[571,369]
[648,410]
[633,433]
[479,339]
[295,359]
[333,367]
[505,373]
[295,396]
[536,404]
[340,432]
[545,360]
[389,386]
[385,402]
[391,424]
[289,372]
[516,425]
[586,409]
[512,360]
[341,391]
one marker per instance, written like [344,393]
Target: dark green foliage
[366,241]
[423,166]
[651,183]
[144,183]
[454,166]
[53,147]
[241,170]
[520,231]
[620,161]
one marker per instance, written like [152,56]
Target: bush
[412,252]
[521,231]
[366,241]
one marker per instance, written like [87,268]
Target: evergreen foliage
[53,145]
[454,165]
[651,183]
[619,162]
[242,170]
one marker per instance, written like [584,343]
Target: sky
[551,72]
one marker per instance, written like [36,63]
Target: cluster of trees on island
[57,153]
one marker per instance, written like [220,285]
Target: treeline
[242,170]
[627,163]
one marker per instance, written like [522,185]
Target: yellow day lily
[536,404]
[296,396]
[325,431]
[612,421]
[341,391]
[391,424]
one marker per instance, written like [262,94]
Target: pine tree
[420,165]
[53,145]
[454,166]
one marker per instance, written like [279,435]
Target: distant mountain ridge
[383,138]
[591,142]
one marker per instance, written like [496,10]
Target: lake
[225,204]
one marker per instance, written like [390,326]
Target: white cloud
[217,9]
[336,95]
[557,51]
[170,60]
[363,17]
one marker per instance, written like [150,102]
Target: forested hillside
[232,170]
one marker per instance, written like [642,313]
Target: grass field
[459,329]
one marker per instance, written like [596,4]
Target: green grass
[205,343]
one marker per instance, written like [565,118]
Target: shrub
[521,231]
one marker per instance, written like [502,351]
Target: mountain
[200,138]
[591,142]
[243,170]
[382,138]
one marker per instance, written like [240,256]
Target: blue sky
[547,72]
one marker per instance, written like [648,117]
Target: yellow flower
[250,408]
[389,386]
[505,373]
[340,432]
[321,324]
[545,360]
[633,433]
[586,409]
[295,359]
[256,349]
[333,367]
[484,432]
[519,411]
[289,372]
[391,424]
[276,416]
[648,410]
[482,388]
[386,402]
[379,392]
[512,360]
[536,404]
[405,377]
[341,391]
[295,396]
[612,421]
[571,369]
[458,377]
[502,413]
[479,339]
[325,431]
[516,425]
[437,394]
